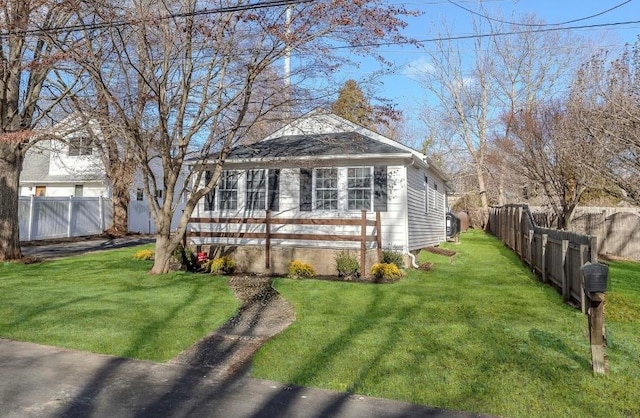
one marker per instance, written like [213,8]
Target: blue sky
[405,92]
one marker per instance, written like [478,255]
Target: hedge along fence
[555,256]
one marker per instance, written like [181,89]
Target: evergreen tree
[353,105]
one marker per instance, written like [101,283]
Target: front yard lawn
[481,334]
[106,302]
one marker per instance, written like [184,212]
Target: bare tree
[190,71]
[552,149]
[29,91]
[463,85]
[609,92]
[475,84]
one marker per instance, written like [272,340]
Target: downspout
[411,256]
[413,260]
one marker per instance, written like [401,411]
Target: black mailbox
[595,277]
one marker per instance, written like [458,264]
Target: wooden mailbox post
[595,277]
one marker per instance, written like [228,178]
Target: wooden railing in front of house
[267,235]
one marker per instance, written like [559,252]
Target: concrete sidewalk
[40,381]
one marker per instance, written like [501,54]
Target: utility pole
[287,64]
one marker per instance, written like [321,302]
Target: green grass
[106,302]
[480,335]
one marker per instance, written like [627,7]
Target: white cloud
[417,67]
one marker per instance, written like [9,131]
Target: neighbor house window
[326,183]
[228,188]
[359,188]
[139,195]
[159,194]
[256,189]
[79,146]
[78,192]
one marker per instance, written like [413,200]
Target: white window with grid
[359,188]
[228,190]
[256,186]
[326,188]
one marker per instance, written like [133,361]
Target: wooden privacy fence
[555,256]
[617,228]
[267,235]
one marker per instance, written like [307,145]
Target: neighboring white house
[306,190]
[55,168]
[72,167]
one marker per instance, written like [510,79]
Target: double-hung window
[256,189]
[359,188]
[79,146]
[228,188]
[326,188]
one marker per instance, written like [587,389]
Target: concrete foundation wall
[251,259]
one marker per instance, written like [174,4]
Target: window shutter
[209,198]
[380,188]
[306,189]
[274,190]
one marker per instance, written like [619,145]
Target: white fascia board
[316,160]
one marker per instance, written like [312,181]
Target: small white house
[317,186]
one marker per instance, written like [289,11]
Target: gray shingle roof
[342,143]
[36,165]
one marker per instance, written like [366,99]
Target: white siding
[426,226]
[393,221]
[66,190]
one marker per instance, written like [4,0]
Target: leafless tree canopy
[183,80]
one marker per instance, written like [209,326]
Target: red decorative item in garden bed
[202,257]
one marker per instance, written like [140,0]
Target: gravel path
[229,349]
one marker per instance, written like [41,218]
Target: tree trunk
[483,196]
[121,200]
[10,168]
[165,245]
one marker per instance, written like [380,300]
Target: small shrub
[393,257]
[300,270]
[221,265]
[347,264]
[386,271]
[207,266]
[143,255]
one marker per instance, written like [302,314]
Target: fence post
[565,280]
[583,297]
[543,262]
[363,243]
[69,213]
[518,234]
[530,250]
[267,242]
[594,249]
[379,235]
[30,224]
[101,214]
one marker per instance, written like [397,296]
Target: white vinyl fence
[58,217]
